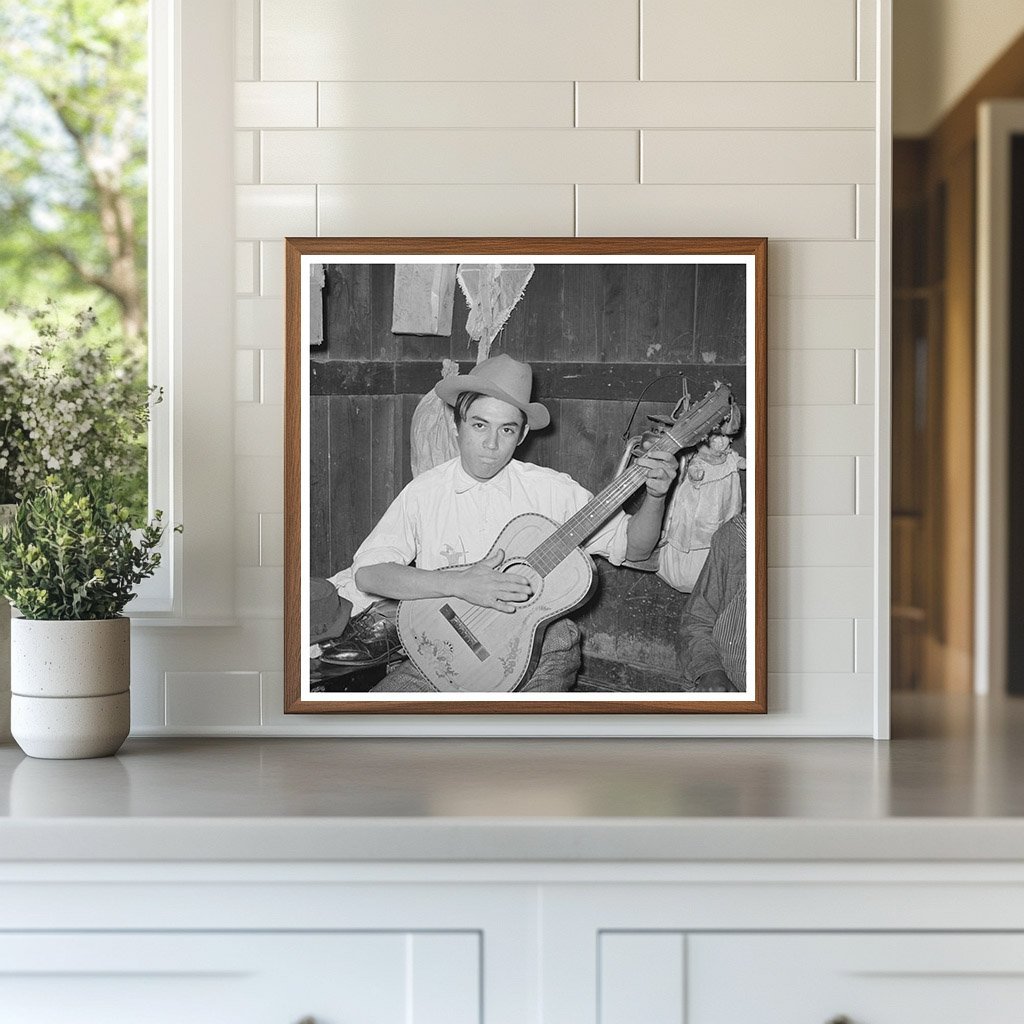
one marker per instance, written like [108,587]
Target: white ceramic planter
[81,658]
[69,684]
[67,727]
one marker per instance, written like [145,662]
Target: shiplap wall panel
[820,591]
[865,390]
[744,41]
[443,157]
[271,376]
[271,266]
[259,323]
[246,41]
[821,430]
[259,429]
[447,209]
[259,483]
[447,105]
[811,486]
[258,590]
[273,211]
[828,703]
[276,104]
[867,26]
[271,538]
[726,105]
[737,157]
[245,268]
[453,40]
[866,211]
[821,269]
[812,376]
[206,699]
[813,322]
[247,361]
[819,540]
[247,538]
[811,645]
[864,645]
[456,118]
[865,485]
[775,211]
[245,158]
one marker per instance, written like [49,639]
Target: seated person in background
[714,621]
[451,514]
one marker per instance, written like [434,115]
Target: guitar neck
[690,430]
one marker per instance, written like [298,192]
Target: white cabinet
[786,943]
[241,978]
[511,943]
[869,979]
[906,978]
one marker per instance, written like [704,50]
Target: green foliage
[71,554]
[73,155]
[76,407]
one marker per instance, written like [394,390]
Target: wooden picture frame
[599,320]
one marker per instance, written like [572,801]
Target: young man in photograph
[449,517]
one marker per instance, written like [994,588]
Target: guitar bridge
[465,633]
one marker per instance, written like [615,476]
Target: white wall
[642,117]
[940,48]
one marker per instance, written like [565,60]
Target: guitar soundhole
[534,578]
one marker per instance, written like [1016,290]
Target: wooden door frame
[998,120]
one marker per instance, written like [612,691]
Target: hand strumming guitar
[482,584]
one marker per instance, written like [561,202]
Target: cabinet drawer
[867,978]
[241,978]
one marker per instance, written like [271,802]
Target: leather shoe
[370,639]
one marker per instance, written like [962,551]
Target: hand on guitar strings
[482,584]
[659,469]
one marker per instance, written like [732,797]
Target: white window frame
[191,288]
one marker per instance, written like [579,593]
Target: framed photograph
[525,475]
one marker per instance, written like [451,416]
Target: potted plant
[76,405]
[11,434]
[69,563]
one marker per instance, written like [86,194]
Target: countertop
[948,787]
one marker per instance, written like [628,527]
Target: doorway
[999,502]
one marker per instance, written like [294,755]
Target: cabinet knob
[841,1019]
[306,1020]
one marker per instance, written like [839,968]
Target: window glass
[73,200]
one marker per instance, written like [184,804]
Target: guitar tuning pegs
[732,422]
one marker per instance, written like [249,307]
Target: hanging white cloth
[492,291]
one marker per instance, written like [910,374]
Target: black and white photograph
[525,475]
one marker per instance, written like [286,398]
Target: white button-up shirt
[445,517]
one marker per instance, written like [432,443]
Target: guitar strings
[613,495]
[553,550]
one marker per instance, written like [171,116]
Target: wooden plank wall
[596,335]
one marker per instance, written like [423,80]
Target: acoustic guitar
[462,647]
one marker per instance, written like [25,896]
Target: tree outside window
[73,172]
